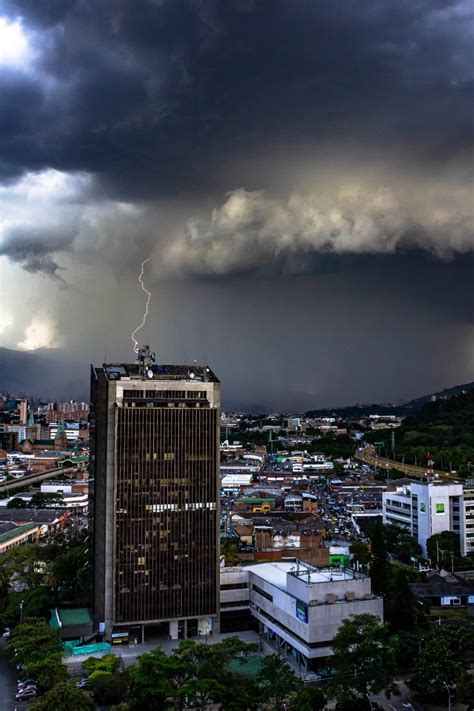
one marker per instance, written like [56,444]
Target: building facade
[155,498]
[425,509]
[297,607]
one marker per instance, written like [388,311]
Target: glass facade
[154,505]
[166,517]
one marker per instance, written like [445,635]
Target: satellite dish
[191,375]
[149,373]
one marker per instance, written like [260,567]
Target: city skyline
[300,178]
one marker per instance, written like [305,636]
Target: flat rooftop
[129,371]
[276,573]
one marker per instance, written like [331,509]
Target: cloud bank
[251,231]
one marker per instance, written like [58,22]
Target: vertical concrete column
[173,629]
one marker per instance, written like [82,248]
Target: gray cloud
[349,126]
[254,232]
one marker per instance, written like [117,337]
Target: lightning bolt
[145,313]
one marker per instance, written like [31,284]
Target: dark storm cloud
[153,95]
[32,249]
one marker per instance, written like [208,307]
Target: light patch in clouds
[40,333]
[6,320]
[14,48]
[251,231]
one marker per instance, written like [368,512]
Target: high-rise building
[155,498]
[23,412]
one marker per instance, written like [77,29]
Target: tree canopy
[64,697]
[363,659]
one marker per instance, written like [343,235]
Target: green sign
[440,508]
[422,507]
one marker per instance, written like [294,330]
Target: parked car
[26,694]
[82,683]
[6,633]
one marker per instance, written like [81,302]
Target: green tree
[276,680]
[441,545]
[70,572]
[107,663]
[64,697]
[230,550]
[109,687]
[48,671]
[32,641]
[36,603]
[363,659]
[310,698]
[240,694]
[360,552]
[403,610]
[441,662]
[192,673]
[24,567]
[44,501]
[379,566]
[16,503]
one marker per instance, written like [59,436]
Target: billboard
[205,626]
[439,509]
[422,507]
[301,611]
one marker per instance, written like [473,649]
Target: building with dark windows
[155,498]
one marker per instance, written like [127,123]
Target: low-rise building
[298,607]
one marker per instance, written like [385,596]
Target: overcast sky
[298,172]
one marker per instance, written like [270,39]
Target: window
[263,593]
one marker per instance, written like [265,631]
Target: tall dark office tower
[155,497]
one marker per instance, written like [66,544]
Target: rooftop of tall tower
[134,371]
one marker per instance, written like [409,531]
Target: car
[82,683]
[25,682]
[23,689]
[6,633]
[26,694]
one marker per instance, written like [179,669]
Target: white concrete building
[298,606]
[467,518]
[425,509]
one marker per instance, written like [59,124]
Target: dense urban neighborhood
[345,580]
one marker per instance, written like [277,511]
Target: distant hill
[443,428]
[42,373]
[447,392]
[401,410]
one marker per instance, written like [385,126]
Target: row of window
[166,394]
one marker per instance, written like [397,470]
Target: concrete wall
[318,591]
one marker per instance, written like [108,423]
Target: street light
[21,611]
[449,695]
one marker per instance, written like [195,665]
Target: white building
[229,482]
[71,431]
[426,509]
[299,607]
[467,518]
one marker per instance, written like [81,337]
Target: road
[368,456]
[7,682]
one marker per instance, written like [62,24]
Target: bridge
[368,455]
[29,479]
